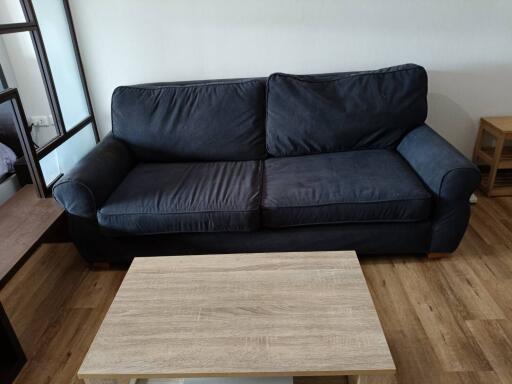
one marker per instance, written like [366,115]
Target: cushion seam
[345,203]
[345,222]
[350,76]
[249,228]
[177,86]
[173,213]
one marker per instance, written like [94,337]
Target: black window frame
[3,80]
[34,155]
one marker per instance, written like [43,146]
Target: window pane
[21,70]
[61,55]
[11,12]
[62,159]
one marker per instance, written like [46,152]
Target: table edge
[356,372]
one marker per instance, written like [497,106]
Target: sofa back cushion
[344,111]
[186,121]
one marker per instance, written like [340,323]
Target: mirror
[20,70]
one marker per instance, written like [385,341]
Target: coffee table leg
[110,381]
[384,379]
[326,380]
[133,381]
[344,380]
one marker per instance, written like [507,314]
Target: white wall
[466,45]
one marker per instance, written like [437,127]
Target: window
[21,71]
[39,58]
[54,27]
[62,158]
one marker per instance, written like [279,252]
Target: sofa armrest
[87,186]
[450,176]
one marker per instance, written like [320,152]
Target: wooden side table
[498,182]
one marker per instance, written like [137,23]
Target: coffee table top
[264,314]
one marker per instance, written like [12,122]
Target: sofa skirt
[369,238]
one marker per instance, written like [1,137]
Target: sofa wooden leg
[100,266]
[438,255]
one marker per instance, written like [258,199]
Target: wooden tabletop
[503,123]
[24,219]
[266,314]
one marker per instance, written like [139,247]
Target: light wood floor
[446,321]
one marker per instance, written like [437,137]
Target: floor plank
[447,321]
[496,346]
[467,289]
[410,347]
[439,314]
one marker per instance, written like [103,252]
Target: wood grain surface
[24,219]
[504,123]
[263,314]
[57,305]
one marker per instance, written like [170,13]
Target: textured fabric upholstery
[369,238]
[206,121]
[85,188]
[348,164]
[185,197]
[344,111]
[450,176]
[346,187]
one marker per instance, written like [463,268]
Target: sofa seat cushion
[348,187]
[185,197]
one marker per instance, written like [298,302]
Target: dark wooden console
[12,357]
[25,222]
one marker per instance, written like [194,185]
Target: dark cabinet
[12,357]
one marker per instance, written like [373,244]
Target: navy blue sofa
[284,163]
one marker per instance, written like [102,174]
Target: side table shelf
[498,180]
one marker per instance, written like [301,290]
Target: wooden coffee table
[241,315]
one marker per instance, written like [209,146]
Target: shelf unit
[498,158]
